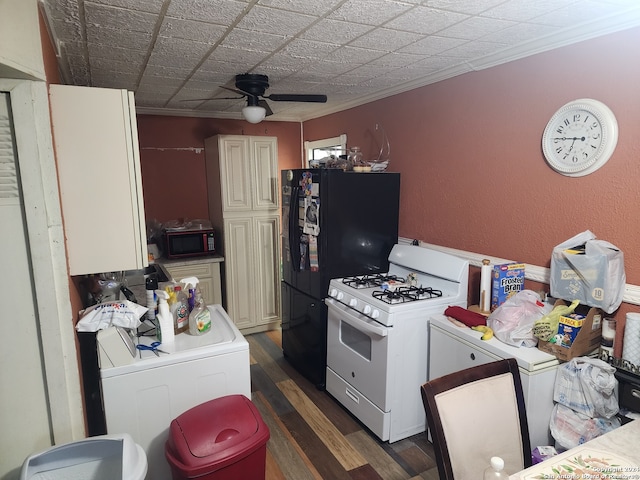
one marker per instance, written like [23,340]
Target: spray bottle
[165,320]
[200,317]
[180,311]
[191,285]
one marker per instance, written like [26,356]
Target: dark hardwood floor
[314,437]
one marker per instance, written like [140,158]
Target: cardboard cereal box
[507,280]
[568,328]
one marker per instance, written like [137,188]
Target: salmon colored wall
[469,151]
[173,163]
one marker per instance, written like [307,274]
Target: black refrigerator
[334,224]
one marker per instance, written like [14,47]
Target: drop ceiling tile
[476,27]
[109,80]
[471,50]
[353,55]
[172,72]
[523,10]
[522,32]
[369,12]
[318,8]
[224,53]
[252,40]
[335,31]
[179,48]
[263,19]
[386,39]
[106,52]
[472,7]
[153,6]
[168,59]
[323,70]
[432,45]
[308,48]
[583,11]
[191,30]
[119,18]
[396,60]
[222,12]
[284,64]
[154,80]
[426,20]
[108,37]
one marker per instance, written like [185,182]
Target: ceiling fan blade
[235,90]
[285,97]
[208,99]
[265,105]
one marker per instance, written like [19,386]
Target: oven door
[358,351]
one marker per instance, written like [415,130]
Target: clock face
[580,137]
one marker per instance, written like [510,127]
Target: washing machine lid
[224,337]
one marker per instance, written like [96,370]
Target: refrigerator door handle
[294,238]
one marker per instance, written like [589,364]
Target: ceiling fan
[253,86]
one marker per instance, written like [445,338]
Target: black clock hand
[570,138]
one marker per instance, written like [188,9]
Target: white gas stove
[378,336]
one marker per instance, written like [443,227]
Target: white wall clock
[580,137]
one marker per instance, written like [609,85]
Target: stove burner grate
[406,294]
[369,281]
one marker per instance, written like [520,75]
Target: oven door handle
[364,325]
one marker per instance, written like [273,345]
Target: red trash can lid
[214,434]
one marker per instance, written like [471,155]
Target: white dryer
[142,398]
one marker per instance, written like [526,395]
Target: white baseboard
[532,272]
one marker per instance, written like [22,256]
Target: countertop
[181,262]
[618,447]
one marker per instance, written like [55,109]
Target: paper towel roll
[631,348]
[485,286]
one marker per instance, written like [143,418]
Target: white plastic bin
[104,457]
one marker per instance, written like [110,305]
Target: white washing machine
[142,397]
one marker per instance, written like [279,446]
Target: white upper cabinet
[248,170]
[20,45]
[96,145]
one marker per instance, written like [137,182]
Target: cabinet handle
[472,356]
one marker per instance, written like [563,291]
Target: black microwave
[188,243]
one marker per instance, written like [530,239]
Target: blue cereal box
[568,328]
[507,280]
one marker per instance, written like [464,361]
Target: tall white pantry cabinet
[242,179]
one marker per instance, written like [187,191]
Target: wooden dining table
[616,454]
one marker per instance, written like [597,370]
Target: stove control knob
[367,309]
[333,292]
[375,313]
[340,296]
[353,302]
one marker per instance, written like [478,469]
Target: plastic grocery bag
[512,322]
[119,313]
[589,270]
[587,386]
[570,428]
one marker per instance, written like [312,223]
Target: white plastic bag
[570,428]
[590,270]
[512,322]
[118,313]
[587,386]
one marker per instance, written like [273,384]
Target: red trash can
[223,439]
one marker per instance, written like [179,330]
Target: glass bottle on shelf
[356,160]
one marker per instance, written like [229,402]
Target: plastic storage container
[104,457]
[495,471]
[223,439]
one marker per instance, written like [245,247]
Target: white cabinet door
[235,173]
[448,355]
[208,275]
[240,271]
[96,142]
[267,275]
[265,173]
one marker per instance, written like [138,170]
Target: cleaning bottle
[180,310]
[200,317]
[495,471]
[151,284]
[165,321]
[191,285]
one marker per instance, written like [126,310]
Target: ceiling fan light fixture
[253,114]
